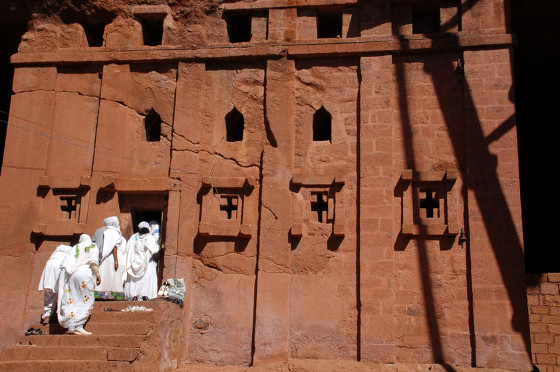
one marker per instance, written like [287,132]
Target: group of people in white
[105,263]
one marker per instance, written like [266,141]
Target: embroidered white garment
[76,284]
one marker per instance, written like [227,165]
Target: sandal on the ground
[30,331]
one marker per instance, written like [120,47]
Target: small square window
[329,25]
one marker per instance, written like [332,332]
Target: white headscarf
[112,221]
[111,237]
[140,248]
[154,229]
[82,254]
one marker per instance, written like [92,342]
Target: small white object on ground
[137,308]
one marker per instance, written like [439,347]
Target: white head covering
[144,225]
[83,253]
[154,227]
[111,236]
[112,221]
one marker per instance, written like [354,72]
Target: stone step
[33,352]
[99,305]
[102,316]
[119,328]
[130,341]
[63,365]
[53,353]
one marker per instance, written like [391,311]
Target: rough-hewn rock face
[327,189]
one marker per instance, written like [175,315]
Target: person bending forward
[142,274]
[76,285]
[49,281]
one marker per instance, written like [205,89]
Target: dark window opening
[425,18]
[329,25]
[152,124]
[235,124]
[239,27]
[322,121]
[152,30]
[229,205]
[320,205]
[94,34]
[69,203]
[430,203]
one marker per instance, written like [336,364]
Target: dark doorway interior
[536,55]
[139,216]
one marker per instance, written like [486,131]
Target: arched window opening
[235,124]
[153,126]
[322,121]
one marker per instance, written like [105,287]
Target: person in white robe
[49,281]
[112,261]
[154,230]
[80,273]
[141,282]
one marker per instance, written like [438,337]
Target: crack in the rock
[270,210]
[55,91]
[215,153]
[175,133]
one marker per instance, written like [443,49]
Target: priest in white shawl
[49,281]
[80,273]
[112,261]
[141,282]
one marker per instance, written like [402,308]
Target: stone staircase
[121,341]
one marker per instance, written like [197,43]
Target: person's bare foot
[82,331]
[45,320]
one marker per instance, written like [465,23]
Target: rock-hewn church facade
[335,179]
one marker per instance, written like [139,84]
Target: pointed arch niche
[235,125]
[322,125]
[152,124]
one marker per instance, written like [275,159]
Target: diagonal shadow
[427,287]
[489,196]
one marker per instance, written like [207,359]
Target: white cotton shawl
[82,254]
[112,236]
[51,272]
[140,249]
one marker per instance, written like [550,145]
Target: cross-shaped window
[68,206]
[228,204]
[320,205]
[430,203]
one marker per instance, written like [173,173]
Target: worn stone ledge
[68,229]
[268,4]
[268,50]
[65,182]
[147,184]
[336,365]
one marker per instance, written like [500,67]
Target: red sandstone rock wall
[373,277]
